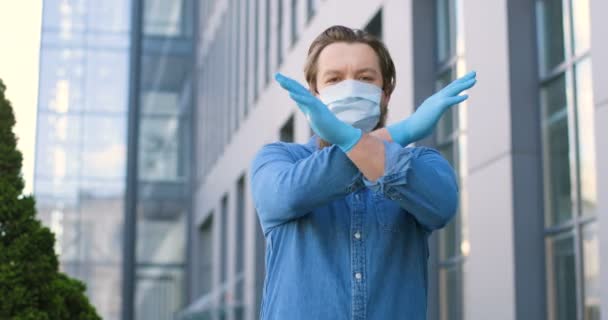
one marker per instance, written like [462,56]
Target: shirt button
[357,235]
[358,276]
[357,197]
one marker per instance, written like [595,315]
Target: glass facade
[450,140]
[569,169]
[164,140]
[79,180]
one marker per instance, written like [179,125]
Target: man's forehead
[339,56]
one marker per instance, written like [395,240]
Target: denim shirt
[339,246]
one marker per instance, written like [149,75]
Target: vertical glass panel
[161,231]
[451,293]
[107,81]
[561,277]
[104,154]
[159,292]
[260,256]
[109,15]
[586,136]
[591,276]
[448,121]
[581,20]
[450,239]
[446,32]
[104,287]
[61,80]
[558,200]
[294,21]
[286,133]
[158,144]
[163,18]
[66,15]
[101,205]
[205,254]
[550,24]
[57,161]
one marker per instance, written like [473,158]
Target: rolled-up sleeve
[285,188]
[421,181]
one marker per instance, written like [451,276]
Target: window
[260,258]
[450,139]
[267,39]
[240,243]
[205,255]
[286,133]
[224,242]
[256,44]
[294,21]
[569,174]
[375,25]
[311,9]
[280,32]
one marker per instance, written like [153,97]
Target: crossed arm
[419,179]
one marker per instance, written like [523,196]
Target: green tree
[31,286]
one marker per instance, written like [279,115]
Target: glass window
[581,25]
[279,32]
[109,15]
[591,272]
[286,133]
[163,18]
[447,123]
[159,292]
[446,31]
[61,80]
[561,277]
[451,293]
[65,15]
[586,137]
[158,148]
[294,21]
[104,151]
[205,253]
[551,34]
[107,81]
[556,149]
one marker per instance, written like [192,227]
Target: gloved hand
[323,122]
[422,122]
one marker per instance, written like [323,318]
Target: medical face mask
[354,102]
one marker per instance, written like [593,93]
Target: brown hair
[344,34]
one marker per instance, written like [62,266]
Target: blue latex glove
[422,122]
[323,122]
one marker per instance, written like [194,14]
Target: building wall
[501,227]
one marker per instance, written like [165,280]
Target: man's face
[356,61]
[342,61]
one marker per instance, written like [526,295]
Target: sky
[20,24]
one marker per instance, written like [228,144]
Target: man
[347,216]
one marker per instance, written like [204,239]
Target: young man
[347,215]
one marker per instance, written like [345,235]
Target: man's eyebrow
[372,70]
[326,72]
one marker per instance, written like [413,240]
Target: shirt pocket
[389,215]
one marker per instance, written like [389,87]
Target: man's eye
[366,79]
[332,80]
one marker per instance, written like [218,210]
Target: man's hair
[344,34]
[336,34]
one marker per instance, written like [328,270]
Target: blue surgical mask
[354,102]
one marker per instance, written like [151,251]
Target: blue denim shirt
[339,246]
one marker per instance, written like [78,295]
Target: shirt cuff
[397,163]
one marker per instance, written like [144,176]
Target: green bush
[31,286]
